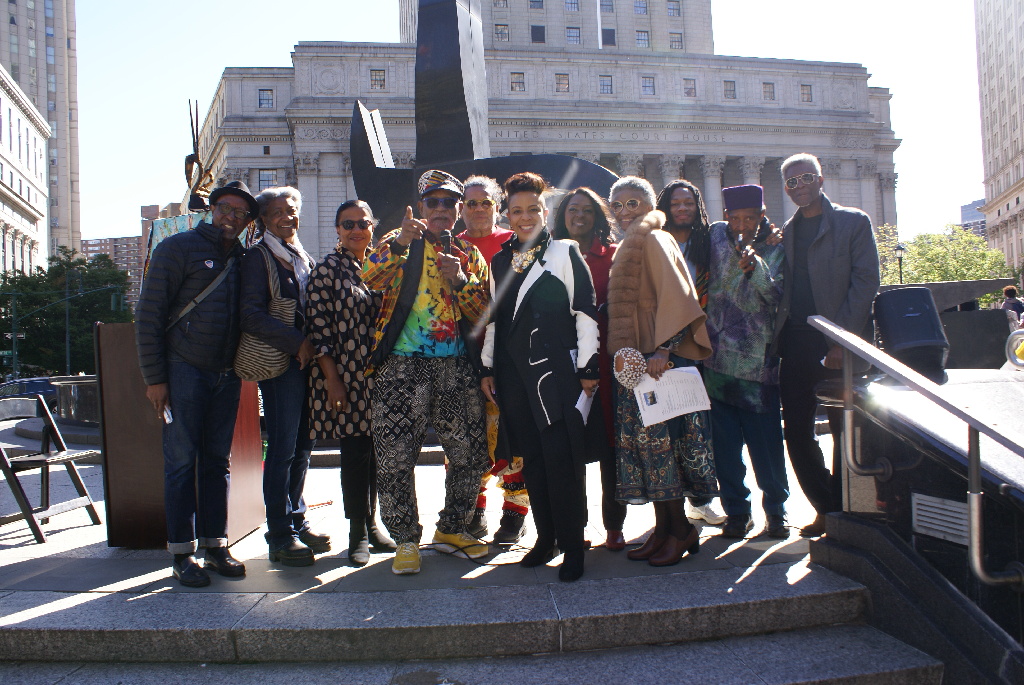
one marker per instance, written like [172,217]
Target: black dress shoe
[572,567]
[541,554]
[219,559]
[737,527]
[320,543]
[379,540]
[512,528]
[188,572]
[292,553]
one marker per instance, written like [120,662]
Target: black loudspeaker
[910,330]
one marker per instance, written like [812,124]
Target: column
[751,167]
[307,171]
[711,168]
[594,157]
[631,165]
[671,168]
[3,246]
[867,171]
[887,182]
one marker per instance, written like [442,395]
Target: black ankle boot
[320,543]
[572,567]
[358,544]
[542,553]
[378,539]
[513,527]
[477,526]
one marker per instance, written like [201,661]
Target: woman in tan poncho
[655,320]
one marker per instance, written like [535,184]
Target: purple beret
[743,197]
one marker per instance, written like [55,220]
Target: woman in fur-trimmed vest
[655,322]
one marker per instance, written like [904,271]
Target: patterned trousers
[510,479]
[409,394]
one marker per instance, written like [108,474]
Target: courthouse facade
[633,85]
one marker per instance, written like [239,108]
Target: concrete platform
[736,607]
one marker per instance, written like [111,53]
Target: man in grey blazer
[832,270]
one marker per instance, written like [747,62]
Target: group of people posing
[500,340]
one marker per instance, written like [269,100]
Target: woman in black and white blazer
[540,353]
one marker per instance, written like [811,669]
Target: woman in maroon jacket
[583,216]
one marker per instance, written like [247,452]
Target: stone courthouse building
[634,85]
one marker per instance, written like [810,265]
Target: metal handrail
[853,345]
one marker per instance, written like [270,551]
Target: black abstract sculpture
[451,122]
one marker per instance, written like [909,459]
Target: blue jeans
[286,412]
[730,428]
[197,447]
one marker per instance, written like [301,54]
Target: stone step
[831,654]
[464,622]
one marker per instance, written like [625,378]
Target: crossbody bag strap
[203,295]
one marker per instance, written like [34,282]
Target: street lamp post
[900,250]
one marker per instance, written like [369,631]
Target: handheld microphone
[446,241]
[740,247]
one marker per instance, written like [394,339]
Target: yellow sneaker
[407,559]
[460,544]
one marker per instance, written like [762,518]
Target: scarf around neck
[295,255]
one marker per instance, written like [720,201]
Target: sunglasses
[807,179]
[446,202]
[631,204]
[485,203]
[349,224]
[226,209]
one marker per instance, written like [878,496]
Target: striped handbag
[255,360]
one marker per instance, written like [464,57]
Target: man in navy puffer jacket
[186,361]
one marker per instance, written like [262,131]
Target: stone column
[594,157]
[631,165]
[751,167]
[887,181]
[867,171]
[671,168]
[307,171]
[711,167]
[3,246]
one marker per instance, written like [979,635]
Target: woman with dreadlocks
[686,220]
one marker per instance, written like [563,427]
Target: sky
[140,62]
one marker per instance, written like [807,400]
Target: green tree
[955,255]
[96,289]
[887,237]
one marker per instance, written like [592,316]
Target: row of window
[673,7]
[573,36]
[517,84]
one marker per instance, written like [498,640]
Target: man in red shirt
[482,205]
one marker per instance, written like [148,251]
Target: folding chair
[43,460]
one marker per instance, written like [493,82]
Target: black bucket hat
[241,190]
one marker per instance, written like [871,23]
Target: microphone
[740,248]
[446,241]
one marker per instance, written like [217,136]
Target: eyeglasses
[349,224]
[446,202]
[226,208]
[631,204]
[486,203]
[807,179]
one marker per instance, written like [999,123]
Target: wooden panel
[133,464]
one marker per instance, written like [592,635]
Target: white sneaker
[706,513]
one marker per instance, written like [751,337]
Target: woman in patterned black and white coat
[340,315]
